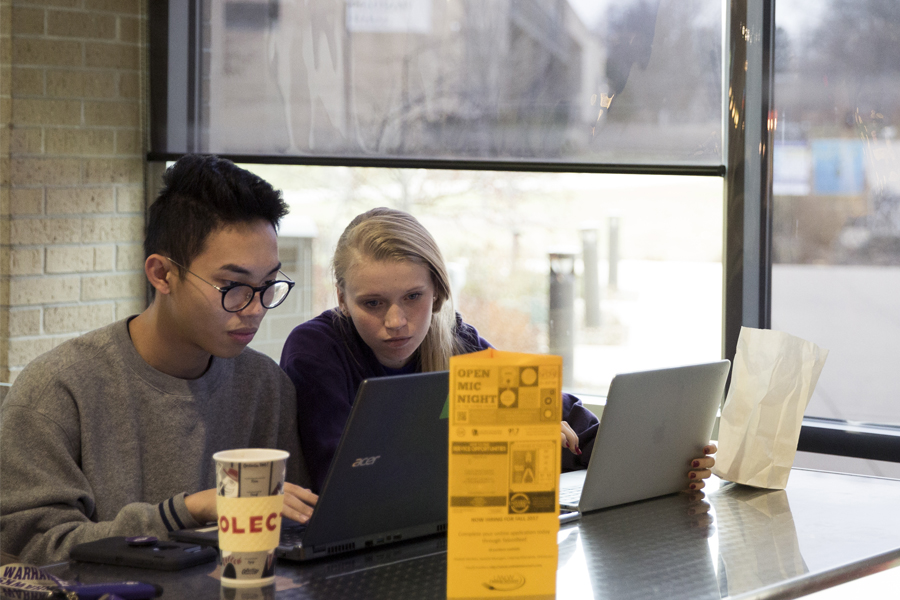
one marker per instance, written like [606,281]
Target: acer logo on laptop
[365,462]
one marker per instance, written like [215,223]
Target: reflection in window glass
[644,257]
[632,81]
[836,277]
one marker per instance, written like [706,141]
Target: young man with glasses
[113,433]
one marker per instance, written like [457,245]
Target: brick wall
[72,76]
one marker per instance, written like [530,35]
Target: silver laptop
[653,424]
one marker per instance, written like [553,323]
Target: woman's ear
[158,270]
[342,304]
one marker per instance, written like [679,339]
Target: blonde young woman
[395,316]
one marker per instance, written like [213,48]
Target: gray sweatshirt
[94,442]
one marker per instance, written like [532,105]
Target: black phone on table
[145,554]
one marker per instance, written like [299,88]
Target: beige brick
[65,83]
[108,287]
[5,31]
[63,3]
[44,171]
[80,141]
[116,114]
[129,85]
[81,24]
[53,53]
[24,322]
[101,84]
[13,373]
[130,199]
[80,200]
[130,29]
[104,258]
[27,111]
[27,140]
[82,317]
[113,170]
[26,201]
[5,110]
[70,259]
[29,261]
[24,350]
[131,7]
[81,84]
[118,229]
[28,82]
[28,291]
[129,257]
[127,308]
[129,141]
[45,231]
[4,322]
[108,55]
[27,21]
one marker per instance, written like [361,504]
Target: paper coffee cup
[249,499]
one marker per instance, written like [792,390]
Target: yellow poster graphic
[504,461]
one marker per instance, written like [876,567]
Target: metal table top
[737,542]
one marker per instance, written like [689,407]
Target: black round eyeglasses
[238,296]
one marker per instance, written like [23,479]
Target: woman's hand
[700,468]
[298,503]
[570,439]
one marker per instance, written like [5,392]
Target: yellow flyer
[504,462]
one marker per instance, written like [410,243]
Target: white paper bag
[772,380]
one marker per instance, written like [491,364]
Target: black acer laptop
[388,479]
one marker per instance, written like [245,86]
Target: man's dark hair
[202,193]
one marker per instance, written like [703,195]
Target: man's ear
[158,270]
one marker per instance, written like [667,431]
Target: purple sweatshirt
[327,360]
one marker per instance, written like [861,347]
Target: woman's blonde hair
[389,234]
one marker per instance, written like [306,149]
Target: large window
[633,262]
[567,154]
[836,243]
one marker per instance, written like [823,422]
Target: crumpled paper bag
[772,380]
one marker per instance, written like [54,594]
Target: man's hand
[202,506]
[298,503]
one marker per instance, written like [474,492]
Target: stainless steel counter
[736,542]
